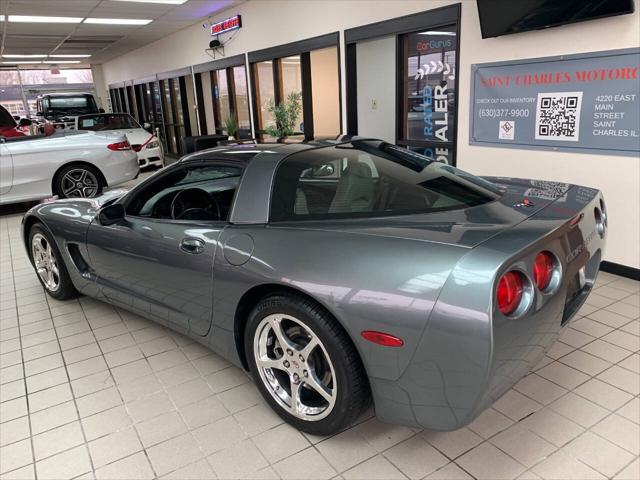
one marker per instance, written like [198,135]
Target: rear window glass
[107,122]
[68,102]
[368,178]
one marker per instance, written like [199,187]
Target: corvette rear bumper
[469,356]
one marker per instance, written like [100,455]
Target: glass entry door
[428,102]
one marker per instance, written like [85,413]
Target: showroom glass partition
[221,88]
[171,105]
[402,82]
[131,102]
[310,67]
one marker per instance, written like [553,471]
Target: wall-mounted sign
[227,25]
[583,103]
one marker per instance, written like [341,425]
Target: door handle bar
[192,245]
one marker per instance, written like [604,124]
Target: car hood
[465,228]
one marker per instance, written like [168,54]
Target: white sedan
[144,143]
[66,164]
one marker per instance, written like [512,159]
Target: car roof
[244,152]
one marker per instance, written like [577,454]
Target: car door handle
[192,245]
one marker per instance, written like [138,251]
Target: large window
[292,83]
[326,92]
[241,94]
[18,85]
[222,95]
[428,103]
[370,178]
[309,69]
[264,93]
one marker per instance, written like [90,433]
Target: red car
[9,127]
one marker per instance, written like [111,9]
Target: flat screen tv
[503,17]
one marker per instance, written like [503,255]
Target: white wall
[376,78]
[617,177]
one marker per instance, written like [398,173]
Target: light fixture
[56,62]
[39,19]
[117,21]
[70,55]
[1,18]
[168,2]
[17,55]
[20,62]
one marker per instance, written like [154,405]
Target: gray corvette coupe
[338,273]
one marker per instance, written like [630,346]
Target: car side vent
[78,259]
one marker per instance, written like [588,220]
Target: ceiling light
[17,55]
[55,62]
[70,55]
[1,18]
[117,21]
[170,2]
[22,63]
[38,19]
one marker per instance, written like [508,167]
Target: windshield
[69,105]
[107,122]
[367,178]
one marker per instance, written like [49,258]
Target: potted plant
[231,127]
[285,115]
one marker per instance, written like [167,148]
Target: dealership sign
[583,103]
[227,25]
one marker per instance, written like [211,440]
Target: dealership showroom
[320,239]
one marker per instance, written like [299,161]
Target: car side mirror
[147,126]
[25,122]
[111,214]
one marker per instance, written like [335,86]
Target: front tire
[78,181]
[49,265]
[305,365]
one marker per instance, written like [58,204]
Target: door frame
[438,17]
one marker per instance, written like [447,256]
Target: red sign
[227,25]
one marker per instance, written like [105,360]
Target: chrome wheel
[79,182]
[295,367]
[45,262]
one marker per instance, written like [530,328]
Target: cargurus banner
[587,102]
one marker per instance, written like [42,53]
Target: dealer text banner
[587,102]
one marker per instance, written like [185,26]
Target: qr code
[558,116]
[547,190]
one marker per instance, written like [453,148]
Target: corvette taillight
[543,267]
[119,146]
[510,290]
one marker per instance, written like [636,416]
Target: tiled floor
[90,391]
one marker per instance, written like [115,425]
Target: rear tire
[48,264]
[317,362]
[78,181]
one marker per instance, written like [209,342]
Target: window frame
[130,196]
